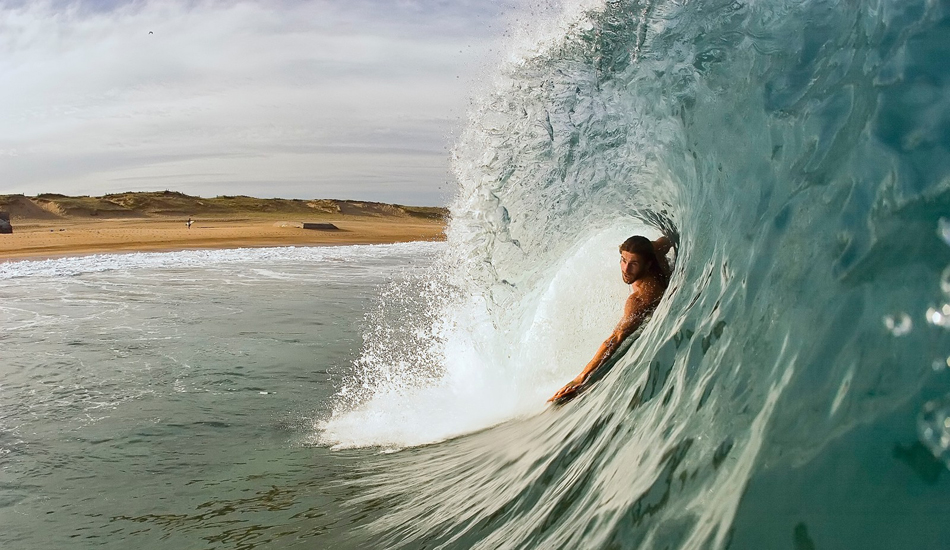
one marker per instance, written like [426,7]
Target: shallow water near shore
[167,400]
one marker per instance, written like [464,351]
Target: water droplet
[938,317]
[933,427]
[899,324]
[943,230]
[945,281]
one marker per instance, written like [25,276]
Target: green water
[168,401]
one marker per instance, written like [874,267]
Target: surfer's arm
[661,246]
[634,311]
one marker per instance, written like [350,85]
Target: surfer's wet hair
[641,246]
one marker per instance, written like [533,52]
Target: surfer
[643,266]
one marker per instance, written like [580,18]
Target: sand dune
[53,227]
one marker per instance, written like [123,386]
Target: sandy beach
[75,234]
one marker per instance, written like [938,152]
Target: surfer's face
[632,266]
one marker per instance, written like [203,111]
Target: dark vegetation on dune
[173,203]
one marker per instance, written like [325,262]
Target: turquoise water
[792,390]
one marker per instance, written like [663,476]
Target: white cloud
[304,99]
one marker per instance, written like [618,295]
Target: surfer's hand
[569,389]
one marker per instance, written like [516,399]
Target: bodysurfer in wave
[643,266]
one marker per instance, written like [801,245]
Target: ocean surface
[791,391]
[168,400]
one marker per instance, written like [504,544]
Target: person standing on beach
[188,223]
[643,266]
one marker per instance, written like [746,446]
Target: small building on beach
[319,226]
[5,226]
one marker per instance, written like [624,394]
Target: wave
[801,150]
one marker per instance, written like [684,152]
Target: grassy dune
[173,204]
[51,225]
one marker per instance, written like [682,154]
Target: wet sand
[40,239]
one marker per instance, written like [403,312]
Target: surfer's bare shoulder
[645,294]
[643,299]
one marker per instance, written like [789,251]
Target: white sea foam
[494,365]
[98,263]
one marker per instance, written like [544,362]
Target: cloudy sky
[356,99]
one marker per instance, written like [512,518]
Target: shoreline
[37,239]
[4,259]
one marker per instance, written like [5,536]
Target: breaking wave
[799,149]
